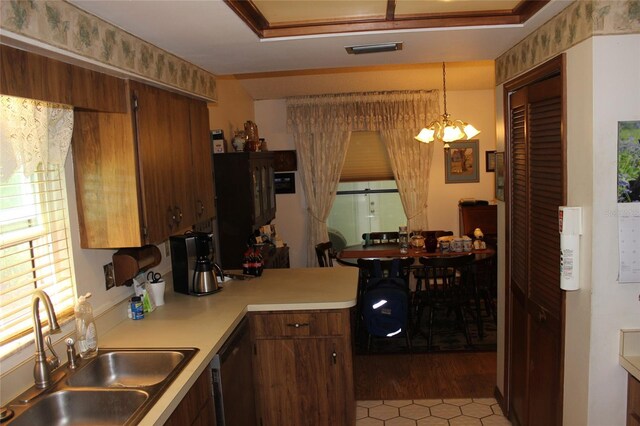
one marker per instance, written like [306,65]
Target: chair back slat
[325,254]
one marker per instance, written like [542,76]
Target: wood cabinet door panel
[153,132]
[302,382]
[203,179]
[299,324]
[105,169]
[181,168]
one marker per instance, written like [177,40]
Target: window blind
[34,250]
[367,159]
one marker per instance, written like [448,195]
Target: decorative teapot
[417,241]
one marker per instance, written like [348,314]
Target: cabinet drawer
[299,324]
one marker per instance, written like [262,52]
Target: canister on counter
[136,308]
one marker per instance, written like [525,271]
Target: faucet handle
[71,354]
[53,361]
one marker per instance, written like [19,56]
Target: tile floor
[436,412]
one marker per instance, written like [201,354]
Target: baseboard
[500,399]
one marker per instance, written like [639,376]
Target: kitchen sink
[128,369]
[83,407]
[117,387]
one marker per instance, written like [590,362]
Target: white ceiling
[208,34]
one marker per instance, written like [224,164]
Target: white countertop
[629,355]
[206,322]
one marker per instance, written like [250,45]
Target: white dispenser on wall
[570,223]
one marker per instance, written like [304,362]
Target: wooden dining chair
[366,272]
[372,238]
[419,272]
[325,254]
[450,286]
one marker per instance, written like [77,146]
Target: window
[367,199]
[34,250]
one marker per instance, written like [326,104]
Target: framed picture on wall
[500,176]
[490,161]
[461,162]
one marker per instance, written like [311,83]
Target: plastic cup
[157,292]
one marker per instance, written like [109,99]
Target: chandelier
[445,128]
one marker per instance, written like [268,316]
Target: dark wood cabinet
[139,175]
[245,200]
[197,407]
[303,368]
[484,217]
[633,401]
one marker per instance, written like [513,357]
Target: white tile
[400,421]
[497,409]
[415,411]
[368,404]
[361,412]
[496,420]
[383,412]
[465,421]
[476,410]
[427,402]
[458,401]
[369,422]
[445,411]
[398,402]
[432,421]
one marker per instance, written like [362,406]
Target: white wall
[616,97]
[579,134]
[475,106]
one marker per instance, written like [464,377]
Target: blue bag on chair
[385,302]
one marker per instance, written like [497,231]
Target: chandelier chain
[444,87]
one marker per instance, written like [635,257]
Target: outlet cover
[109,276]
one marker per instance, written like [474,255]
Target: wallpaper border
[64,26]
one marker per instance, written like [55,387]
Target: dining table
[349,255]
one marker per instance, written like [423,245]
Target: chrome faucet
[44,366]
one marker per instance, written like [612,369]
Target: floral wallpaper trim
[579,21]
[64,26]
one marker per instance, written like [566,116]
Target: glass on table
[403,239]
[417,239]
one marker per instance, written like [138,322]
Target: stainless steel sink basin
[82,407]
[118,387]
[128,369]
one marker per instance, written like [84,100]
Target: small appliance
[193,270]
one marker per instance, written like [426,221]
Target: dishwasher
[233,380]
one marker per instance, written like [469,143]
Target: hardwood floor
[425,376]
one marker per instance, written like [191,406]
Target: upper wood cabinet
[136,171]
[203,178]
[28,75]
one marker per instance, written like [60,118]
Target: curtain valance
[33,132]
[373,111]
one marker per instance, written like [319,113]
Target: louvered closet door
[536,301]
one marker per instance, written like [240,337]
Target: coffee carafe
[204,281]
[194,272]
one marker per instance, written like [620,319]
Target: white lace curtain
[32,132]
[321,127]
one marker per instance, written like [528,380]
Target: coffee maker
[194,272]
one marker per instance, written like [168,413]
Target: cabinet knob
[171,217]
[177,214]
[200,207]
[298,325]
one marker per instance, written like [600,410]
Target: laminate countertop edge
[629,355]
[206,322]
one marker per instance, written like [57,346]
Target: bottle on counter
[86,333]
[137,308]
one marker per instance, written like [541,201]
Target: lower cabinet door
[304,382]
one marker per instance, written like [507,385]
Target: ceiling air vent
[374,48]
